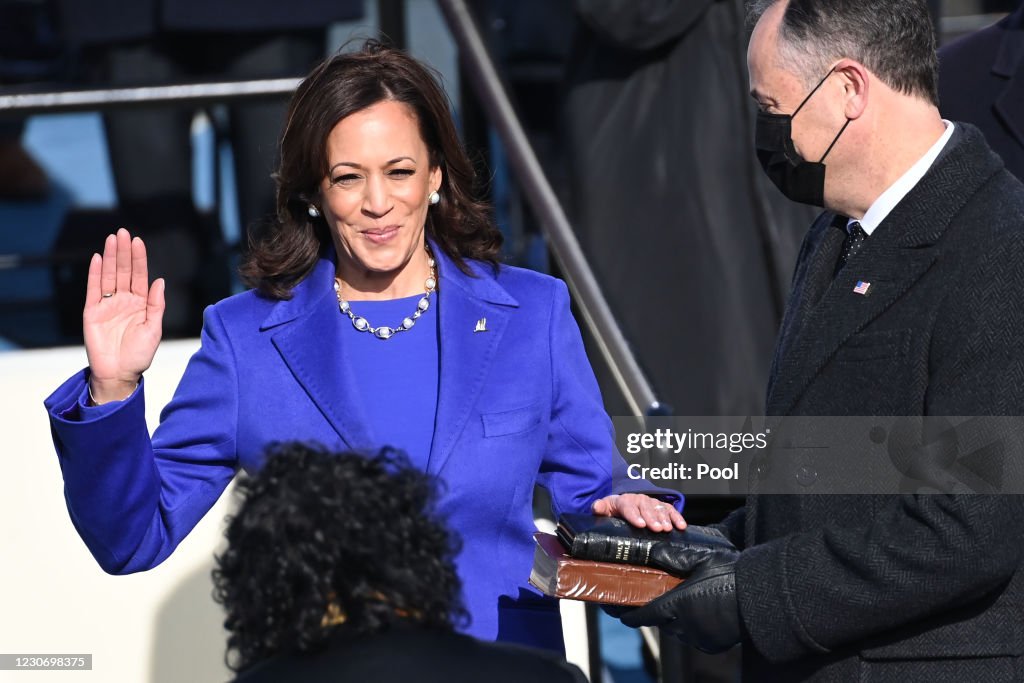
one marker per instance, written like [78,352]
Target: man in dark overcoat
[906,301]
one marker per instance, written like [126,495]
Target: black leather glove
[703,610]
[682,553]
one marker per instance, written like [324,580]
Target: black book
[610,539]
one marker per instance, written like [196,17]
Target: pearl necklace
[385,332]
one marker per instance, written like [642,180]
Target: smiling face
[375,199]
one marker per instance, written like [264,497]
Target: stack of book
[606,560]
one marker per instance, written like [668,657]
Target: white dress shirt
[895,193]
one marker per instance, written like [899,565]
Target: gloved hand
[680,555]
[703,610]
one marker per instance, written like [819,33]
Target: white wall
[158,626]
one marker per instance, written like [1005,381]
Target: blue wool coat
[518,405]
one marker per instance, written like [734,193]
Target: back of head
[894,39]
[322,539]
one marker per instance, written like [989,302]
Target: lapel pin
[861,288]
[481,325]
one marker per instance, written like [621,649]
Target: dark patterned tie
[854,240]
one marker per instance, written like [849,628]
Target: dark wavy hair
[284,252]
[895,39]
[316,529]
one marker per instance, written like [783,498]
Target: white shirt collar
[888,200]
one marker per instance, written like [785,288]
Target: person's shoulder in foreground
[414,654]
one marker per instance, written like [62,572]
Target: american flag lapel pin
[862,288]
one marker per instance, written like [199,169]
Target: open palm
[123,315]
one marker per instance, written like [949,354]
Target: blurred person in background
[30,52]
[339,569]
[981,81]
[379,315]
[134,43]
[691,245]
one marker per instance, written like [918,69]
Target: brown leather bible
[560,576]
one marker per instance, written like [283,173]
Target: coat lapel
[810,284]
[307,331]
[821,269]
[890,272]
[897,255]
[466,355]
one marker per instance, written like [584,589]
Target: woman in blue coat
[379,316]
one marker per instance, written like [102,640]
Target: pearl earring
[313,211]
[434,197]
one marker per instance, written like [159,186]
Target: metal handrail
[83,100]
[539,193]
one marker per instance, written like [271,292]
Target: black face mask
[801,180]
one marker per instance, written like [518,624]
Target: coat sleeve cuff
[69,404]
[769,615]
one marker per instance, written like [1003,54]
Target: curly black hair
[317,528]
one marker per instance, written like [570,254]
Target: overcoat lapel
[466,355]
[309,336]
[819,273]
[810,284]
[897,255]
[889,271]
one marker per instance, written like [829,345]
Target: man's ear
[856,83]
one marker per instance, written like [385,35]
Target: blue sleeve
[133,498]
[581,462]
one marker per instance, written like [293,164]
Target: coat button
[805,476]
[877,434]
[761,468]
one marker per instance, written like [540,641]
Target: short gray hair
[894,39]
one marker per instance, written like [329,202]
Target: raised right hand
[123,316]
